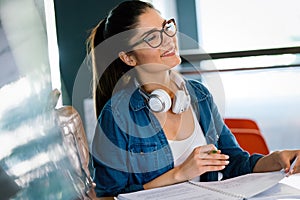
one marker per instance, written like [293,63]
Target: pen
[293,165]
[213,152]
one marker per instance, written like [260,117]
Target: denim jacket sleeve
[240,162]
[110,156]
[217,133]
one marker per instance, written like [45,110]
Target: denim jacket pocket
[143,157]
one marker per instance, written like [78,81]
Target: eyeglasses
[155,37]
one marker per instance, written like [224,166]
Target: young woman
[156,128]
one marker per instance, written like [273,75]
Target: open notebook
[242,187]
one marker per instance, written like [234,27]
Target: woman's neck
[152,81]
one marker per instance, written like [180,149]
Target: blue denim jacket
[130,148]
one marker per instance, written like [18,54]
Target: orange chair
[248,135]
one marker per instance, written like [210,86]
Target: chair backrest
[74,138]
[241,123]
[248,135]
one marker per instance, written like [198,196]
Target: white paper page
[247,185]
[176,192]
[279,191]
[293,181]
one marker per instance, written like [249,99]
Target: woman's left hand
[286,158]
[279,160]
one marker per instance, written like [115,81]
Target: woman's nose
[167,40]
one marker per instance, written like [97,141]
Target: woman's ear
[128,59]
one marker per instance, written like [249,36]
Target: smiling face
[166,54]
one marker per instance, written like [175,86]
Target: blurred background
[246,52]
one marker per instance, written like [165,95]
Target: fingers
[289,160]
[202,160]
[207,148]
[213,156]
[294,167]
[210,152]
[209,163]
[212,161]
[212,168]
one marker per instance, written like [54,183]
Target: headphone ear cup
[178,102]
[181,102]
[159,101]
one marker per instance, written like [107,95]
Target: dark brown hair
[121,18]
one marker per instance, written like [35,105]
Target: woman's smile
[169,52]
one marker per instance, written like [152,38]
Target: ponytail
[104,77]
[96,37]
[121,18]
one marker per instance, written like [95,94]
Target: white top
[181,149]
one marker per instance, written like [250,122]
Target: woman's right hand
[201,160]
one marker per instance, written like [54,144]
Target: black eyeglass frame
[161,34]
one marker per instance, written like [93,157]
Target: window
[252,50]
[234,25]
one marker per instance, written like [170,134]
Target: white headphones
[160,101]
